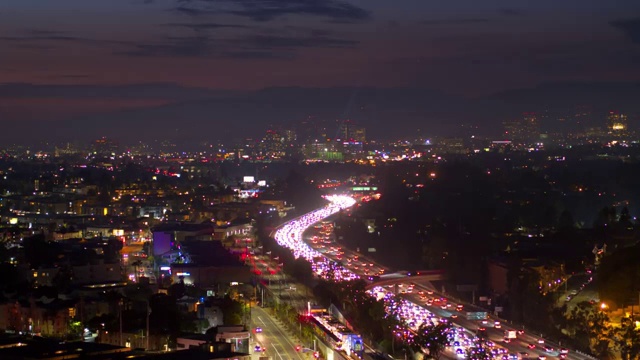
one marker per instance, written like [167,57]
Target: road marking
[277,352]
[284,335]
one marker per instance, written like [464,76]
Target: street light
[148,314]
[604,306]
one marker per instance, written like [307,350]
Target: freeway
[495,329]
[328,258]
[272,338]
[279,284]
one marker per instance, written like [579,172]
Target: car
[259,348]
[548,349]
[454,316]
[531,346]
[564,351]
[540,341]
[497,325]
[520,332]
[506,340]
[258,330]
[542,357]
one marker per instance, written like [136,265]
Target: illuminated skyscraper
[273,145]
[616,123]
[350,132]
[524,131]
[104,146]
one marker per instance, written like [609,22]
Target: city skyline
[163,68]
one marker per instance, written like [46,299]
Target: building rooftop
[22,347]
[14,347]
[180,226]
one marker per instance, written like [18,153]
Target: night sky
[85,68]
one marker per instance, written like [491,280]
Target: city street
[279,344]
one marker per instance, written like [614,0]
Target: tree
[606,217]
[165,315]
[624,222]
[431,339]
[619,277]
[566,223]
[232,311]
[590,328]
[626,339]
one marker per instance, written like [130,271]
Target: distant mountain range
[192,115]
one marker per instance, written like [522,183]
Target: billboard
[478,315]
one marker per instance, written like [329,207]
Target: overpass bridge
[406,277]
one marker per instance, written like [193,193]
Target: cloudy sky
[101,60]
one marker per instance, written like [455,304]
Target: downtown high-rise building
[350,132]
[617,123]
[523,131]
[273,145]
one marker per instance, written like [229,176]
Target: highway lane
[322,251]
[319,238]
[282,285]
[279,344]
[519,345]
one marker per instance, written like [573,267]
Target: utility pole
[148,333]
[393,342]
[120,314]
[82,310]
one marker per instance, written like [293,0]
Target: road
[320,248]
[521,346]
[280,284]
[132,254]
[278,343]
